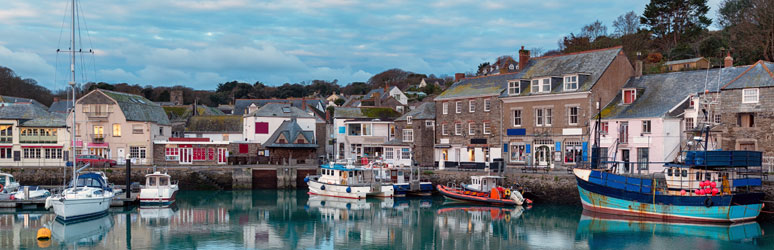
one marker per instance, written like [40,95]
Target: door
[222,156]
[186,155]
[543,155]
[625,160]
[120,156]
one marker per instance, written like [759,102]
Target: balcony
[97,138]
[98,115]
[37,139]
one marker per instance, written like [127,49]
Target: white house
[31,136]
[215,127]
[358,135]
[260,124]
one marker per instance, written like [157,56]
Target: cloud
[15,10]
[26,64]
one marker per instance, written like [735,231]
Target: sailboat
[88,195]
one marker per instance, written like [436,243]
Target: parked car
[95,160]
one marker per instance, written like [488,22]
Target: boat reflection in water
[599,225]
[83,233]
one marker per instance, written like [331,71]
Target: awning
[4,146]
[443,146]
[98,145]
[47,146]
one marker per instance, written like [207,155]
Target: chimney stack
[303,104]
[523,58]
[728,61]
[459,76]
[56,99]
[638,65]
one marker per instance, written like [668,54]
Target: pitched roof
[241,105]
[658,93]
[425,111]
[31,115]
[280,110]
[758,75]
[60,106]
[690,60]
[478,86]
[138,108]
[215,123]
[366,112]
[592,63]
[291,131]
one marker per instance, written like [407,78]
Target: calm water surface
[292,220]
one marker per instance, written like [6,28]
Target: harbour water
[268,219]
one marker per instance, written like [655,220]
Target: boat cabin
[90,180]
[8,182]
[484,183]
[338,174]
[727,169]
[157,179]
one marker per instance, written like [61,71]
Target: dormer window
[511,67]
[541,85]
[571,82]
[629,95]
[408,119]
[514,88]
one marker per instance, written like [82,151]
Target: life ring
[507,192]
[2,187]
[708,202]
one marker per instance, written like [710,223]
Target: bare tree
[594,30]
[536,51]
[627,24]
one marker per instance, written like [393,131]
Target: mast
[72,85]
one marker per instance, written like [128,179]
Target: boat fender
[322,187]
[44,234]
[2,187]
[306,179]
[508,192]
[349,206]
[708,202]
[48,203]
[349,190]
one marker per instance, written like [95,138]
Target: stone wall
[545,189]
[478,117]
[424,139]
[188,178]
[761,134]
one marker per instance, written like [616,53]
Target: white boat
[8,184]
[85,198]
[347,181]
[158,190]
[35,193]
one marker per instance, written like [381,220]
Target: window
[354,129]
[430,124]
[137,152]
[443,129]
[262,128]
[5,153]
[750,96]
[570,83]
[603,128]
[642,158]
[458,107]
[573,152]
[471,128]
[646,126]
[31,153]
[745,120]
[487,105]
[543,117]
[623,135]
[518,152]
[688,124]
[116,130]
[6,133]
[368,129]
[629,95]
[546,86]
[573,113]
[511,67]
[408,119]
[517,118]
[161,131]
[539,117]
[136,129]
[408,135]
[405,153]
[717,118]
[396,96]
[548,117]
[99,131]
[541,85]
[472,106]
[445,108]
[535,86]
[485,128]
[244,148]
[458,128]
[514,88]
[388,154]
[199,154]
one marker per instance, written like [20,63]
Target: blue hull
[726,208]
[79,218]
[425,188]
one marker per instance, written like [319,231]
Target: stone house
[746,110]
[415,137]
[32,136]
[687,64]
[548,105]
[261,122]
[119,126]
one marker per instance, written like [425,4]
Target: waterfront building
[190,151]
[261,122]
[362,132]
[548,105]
[746,109]
[32,136]
[215,127]
[290,144]
[119,126]
[415,138]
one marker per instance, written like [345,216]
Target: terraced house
[119,126]
[32,136]
[362,132]
[415,138]
[547,106]
[746,110]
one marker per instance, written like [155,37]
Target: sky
[200,43]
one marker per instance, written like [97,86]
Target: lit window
[116,130]
[570,82]
[750,96]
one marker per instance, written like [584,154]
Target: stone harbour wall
[188,178]
[545,189]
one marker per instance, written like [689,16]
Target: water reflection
[82,233]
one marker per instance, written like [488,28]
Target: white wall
[274,123]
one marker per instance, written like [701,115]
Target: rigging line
[91,47]
[59,43]
[80,40]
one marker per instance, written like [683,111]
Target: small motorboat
[347,181]
[496,196]
[7,183]
[158,190]
[35,193]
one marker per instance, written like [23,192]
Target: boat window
[152,181]
[669,172]
[11,180]
[164,181]
[685,173]
[97,192]
[698,176]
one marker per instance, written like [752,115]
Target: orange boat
[497,196]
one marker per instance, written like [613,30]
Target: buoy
[715,191]
[306,179]
[713,184]
[44,234]
[322,187]
[682,192]
[700,191]
[349,190]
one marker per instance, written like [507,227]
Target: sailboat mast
[72,84]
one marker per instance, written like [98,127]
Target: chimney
[56,99]
[728,61]
[386,87]
[523,58]
[327,115]
[638,65]
[303,104]
[459,76]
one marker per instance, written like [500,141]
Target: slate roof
[690,60]
[280,110]
[138,108]
[758,75]
[592,62]
[342,112]
[658,93]
[425,111]
[60,106]
[240,106]
[291,130]
[215,123]
[478,86]
[396,142]
[32,115]
[13,99]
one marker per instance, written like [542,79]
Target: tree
[339,102]
[626,24]
[594,30]
[750,25]
[675,20]
[481,68]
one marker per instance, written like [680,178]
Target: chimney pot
[728,61]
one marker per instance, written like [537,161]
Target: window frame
[633,95]
[445,108]
[471,128]
[408,119]
[514,87]
[746,97]
[647,126]
[567,82]
[458,128]
[471,105]
[485,128]
[487,105]
[517,118]
[458,107]
[443,130]
[570,115]
[408,135]
[116,130]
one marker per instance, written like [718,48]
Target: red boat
[497,196]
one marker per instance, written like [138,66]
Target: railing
[37,139]
[6,139]
[97,114]
[97,138]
